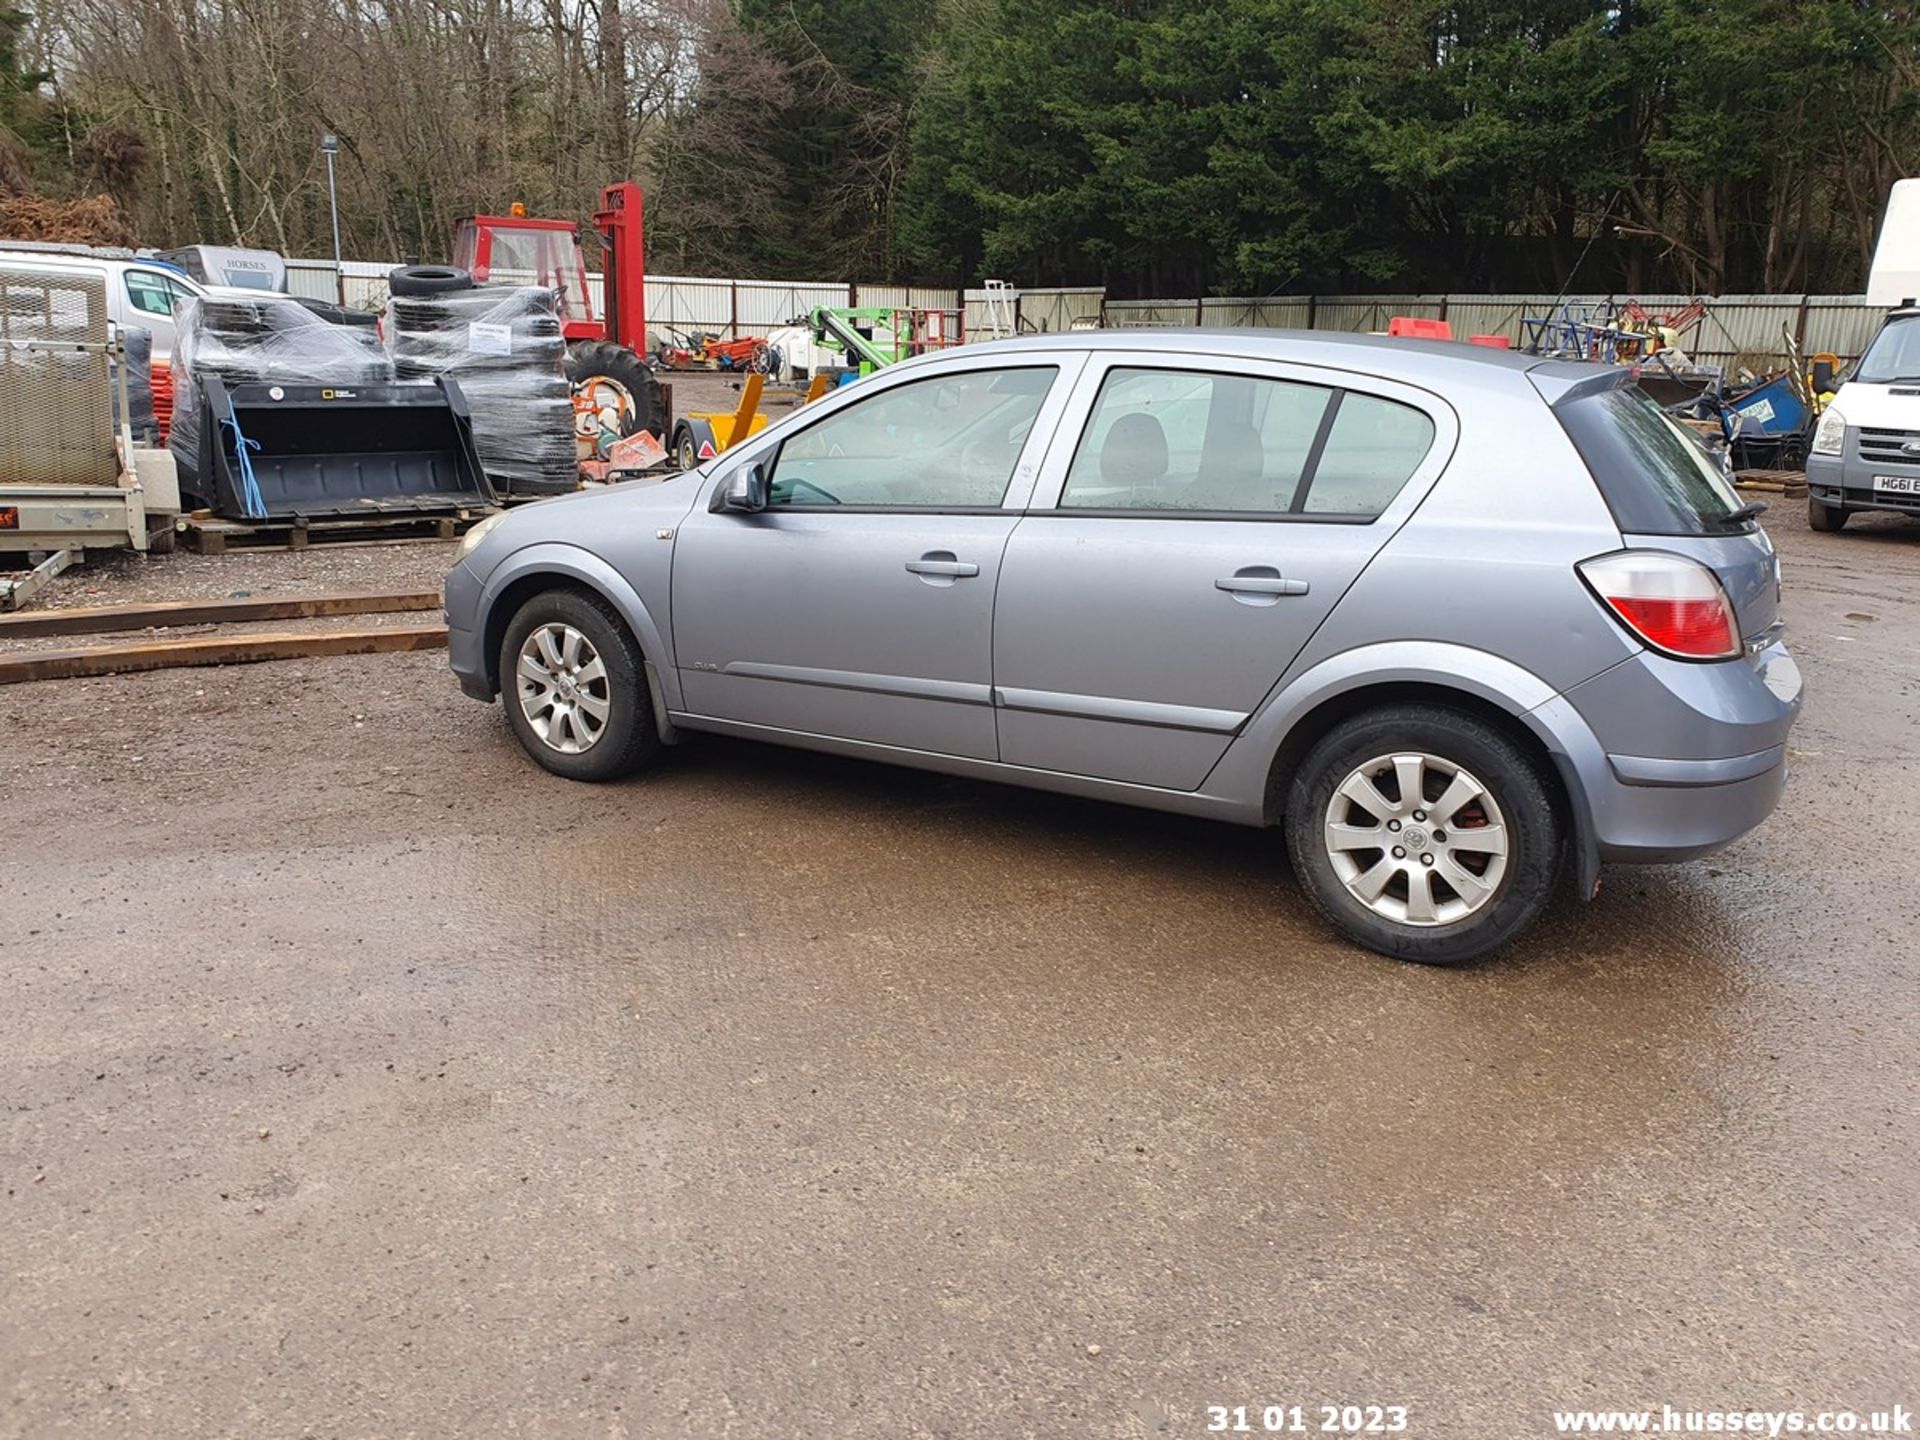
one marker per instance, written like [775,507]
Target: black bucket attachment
[291,452]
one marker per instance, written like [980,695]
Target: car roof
[1427,362]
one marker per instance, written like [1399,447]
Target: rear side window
[1200,443]
[1656,477]
[1372,450]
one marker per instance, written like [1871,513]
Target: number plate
[1897,484]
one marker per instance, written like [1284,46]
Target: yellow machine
[704,434]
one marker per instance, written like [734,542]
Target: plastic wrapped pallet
[503,344]
[264,340]
[139,361]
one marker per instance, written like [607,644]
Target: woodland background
[1154,146]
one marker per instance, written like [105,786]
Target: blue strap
[251,500]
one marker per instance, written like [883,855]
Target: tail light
[1673,604]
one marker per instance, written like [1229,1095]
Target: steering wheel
[826,495]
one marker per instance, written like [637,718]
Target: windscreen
[1656,476]
[532,256]
[1894,353]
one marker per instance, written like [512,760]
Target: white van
[1866,450]
[139,291]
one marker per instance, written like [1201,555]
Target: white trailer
[71,477]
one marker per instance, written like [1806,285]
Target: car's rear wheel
[1423,833]
[574,688]
[1825,517]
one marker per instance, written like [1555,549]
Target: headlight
[470,541]
[1831,437]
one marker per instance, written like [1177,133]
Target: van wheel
[574,687]
[1824,517]
[1423,833]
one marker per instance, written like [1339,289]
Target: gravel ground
[358,1078]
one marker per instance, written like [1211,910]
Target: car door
[859,603]
[1181,553]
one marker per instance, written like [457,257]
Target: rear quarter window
[1655,475]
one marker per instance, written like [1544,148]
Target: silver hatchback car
[1463,621]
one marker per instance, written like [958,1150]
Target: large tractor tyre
[413,280]
[615,384]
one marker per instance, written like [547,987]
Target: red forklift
[615,394]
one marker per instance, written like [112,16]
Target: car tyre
[1470,900]
[581,708]
[409,281]
[1826,518]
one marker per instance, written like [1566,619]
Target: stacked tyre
[503,345]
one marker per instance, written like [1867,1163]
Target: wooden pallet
[1790,484]
[210,535]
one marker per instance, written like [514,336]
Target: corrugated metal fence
[1734,326]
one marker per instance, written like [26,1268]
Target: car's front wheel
[574,687]
[1423,833]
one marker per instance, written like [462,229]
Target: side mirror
[744,492]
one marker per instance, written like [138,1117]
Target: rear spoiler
[1561,381]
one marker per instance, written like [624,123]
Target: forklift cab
[516,249]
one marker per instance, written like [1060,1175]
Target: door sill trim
[1123,792]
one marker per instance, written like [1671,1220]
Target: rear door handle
[942,563]
[1260,580]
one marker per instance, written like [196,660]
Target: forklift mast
[623,269]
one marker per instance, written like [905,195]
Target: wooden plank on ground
[215,650]
[104,619]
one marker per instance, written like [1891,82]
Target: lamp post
[330,146]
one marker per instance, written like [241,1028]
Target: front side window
[150,294]
[1193,442]
[948,442]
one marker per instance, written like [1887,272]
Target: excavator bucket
[290,452]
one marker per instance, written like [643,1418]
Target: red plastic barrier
[163,397]
[1492,342]
[1412,327]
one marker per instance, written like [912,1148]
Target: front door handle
[1260,580]
[942,563]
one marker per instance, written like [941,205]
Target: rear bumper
[1718,735]
[1644,823]
[56,517]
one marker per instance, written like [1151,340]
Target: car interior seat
[1233,468]
[1134,453]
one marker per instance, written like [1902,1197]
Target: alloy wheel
[563,688]
[1416,839]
